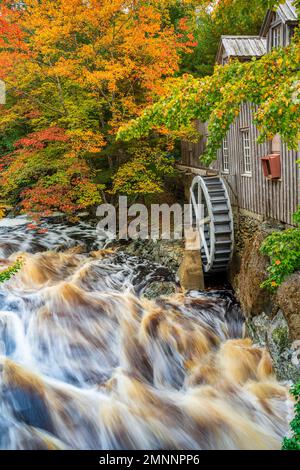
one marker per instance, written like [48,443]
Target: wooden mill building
[263,179]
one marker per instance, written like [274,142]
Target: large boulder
[288,299]
[168,253]
[274,334]
[160,289]
[248,272]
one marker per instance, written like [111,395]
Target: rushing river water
[87,363]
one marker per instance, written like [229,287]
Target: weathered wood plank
[272,199]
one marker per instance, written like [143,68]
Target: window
[246,152]
[276,37]
[225,156]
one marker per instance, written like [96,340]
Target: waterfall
[86,362]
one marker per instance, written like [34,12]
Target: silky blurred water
[86,362]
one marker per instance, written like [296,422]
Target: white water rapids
[87,363]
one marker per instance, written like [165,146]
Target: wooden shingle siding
[275,199]
[271,199]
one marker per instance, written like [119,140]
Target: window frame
[225,156]
[276,29]
[247,156]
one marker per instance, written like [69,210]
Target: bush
[283,248]
[293,442]
[12,270]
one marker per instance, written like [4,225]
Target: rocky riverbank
[273,320]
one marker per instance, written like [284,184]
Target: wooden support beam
[190,272]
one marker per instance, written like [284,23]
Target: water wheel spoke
[205,221]
[196,206]
[204,244]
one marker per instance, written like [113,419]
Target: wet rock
[25,394]
[166,252]
[296,353]
[274,334]
[288,299]
[30,408]
[249,277]
[159,289]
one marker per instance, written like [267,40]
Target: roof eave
[258,56]
[266,23]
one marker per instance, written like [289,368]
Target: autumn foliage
[271,84]
[75,71]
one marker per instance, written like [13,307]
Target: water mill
[149,232]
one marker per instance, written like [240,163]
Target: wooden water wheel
[211,214]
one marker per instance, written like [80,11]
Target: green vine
[12,270]
[271,84]
[283,249]
[293,442]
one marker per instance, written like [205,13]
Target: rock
[272,320]
[159,289]
[244,228]
[83,214]
[296,353]
[169,253]
[251,272]
[273,333]
[288,299]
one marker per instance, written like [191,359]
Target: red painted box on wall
[272,166]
